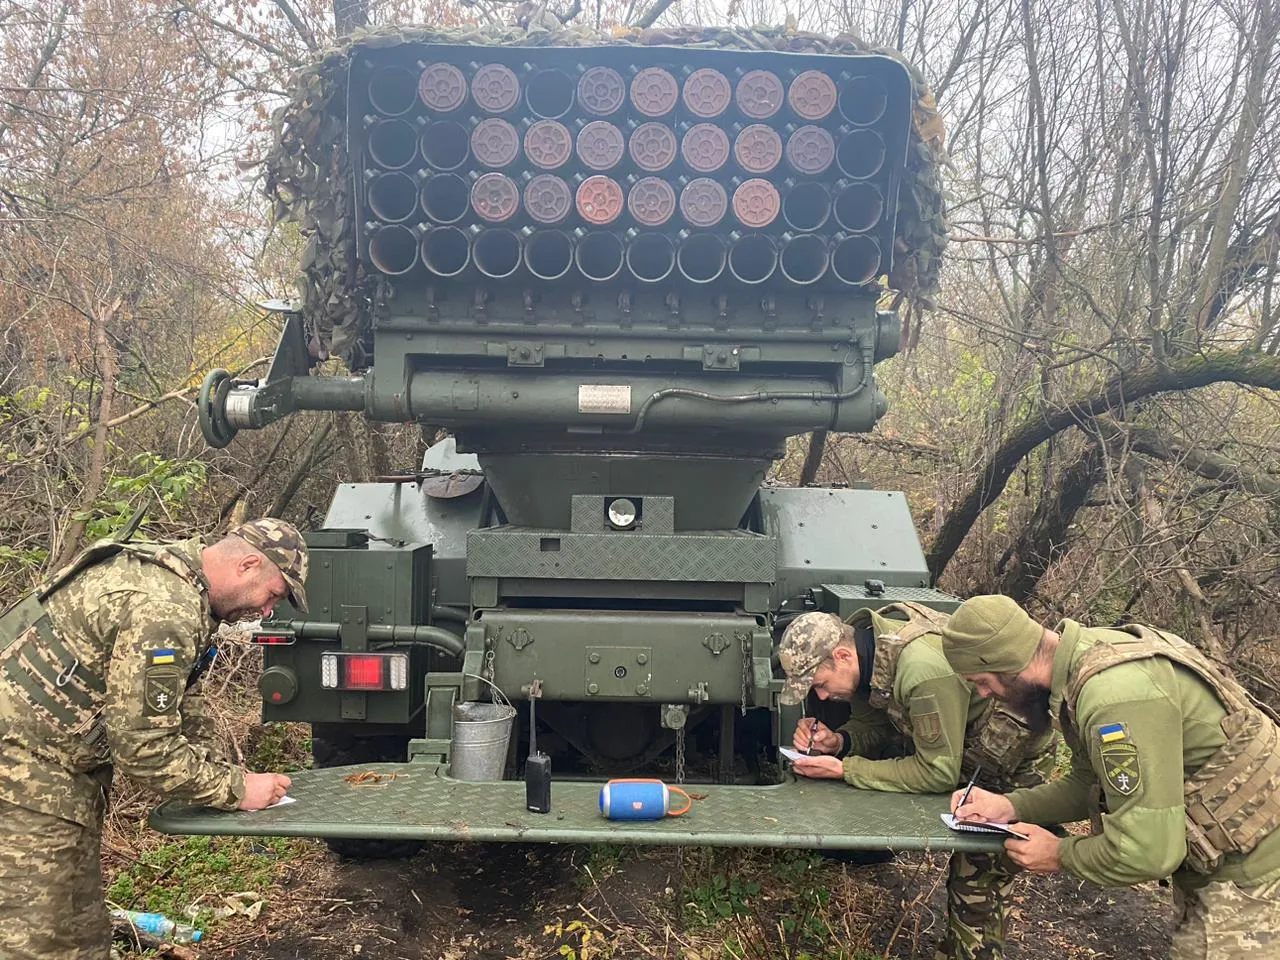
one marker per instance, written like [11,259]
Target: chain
[680,755]
[745,637]
[487,670]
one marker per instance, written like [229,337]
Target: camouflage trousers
[978,886]
[1223,921]
[51,900]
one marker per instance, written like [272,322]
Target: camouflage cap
[806,643]
[281,543]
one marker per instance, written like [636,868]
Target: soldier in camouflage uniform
[905,699]
[94,670]
[1187,763]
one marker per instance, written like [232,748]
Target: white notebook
[968,826]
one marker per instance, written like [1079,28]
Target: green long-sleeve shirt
[1141,729]
[939,706]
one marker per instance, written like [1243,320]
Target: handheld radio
[537,766]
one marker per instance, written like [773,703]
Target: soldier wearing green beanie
[1188,766]
[915,727]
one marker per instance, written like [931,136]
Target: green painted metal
[421,803]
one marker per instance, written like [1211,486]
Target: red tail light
[272,637]
[363,672]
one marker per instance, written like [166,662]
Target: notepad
[968,826]
[791,754]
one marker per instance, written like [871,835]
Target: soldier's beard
[1030,700]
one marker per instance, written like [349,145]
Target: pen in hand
[964,798]
[813,732]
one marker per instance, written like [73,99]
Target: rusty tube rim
[393,250]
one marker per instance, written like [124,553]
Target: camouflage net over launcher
[309,181]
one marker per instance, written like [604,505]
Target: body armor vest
[1233,800]
[998,742]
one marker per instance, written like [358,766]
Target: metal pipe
[599,255]
[393,196]
[862,99]
[550,94]
[701,257]
[445,198]
[445,251]
[496,253]
[379,633]
[860,154]
[650,257]
[548,254]
[393,90]
[393,250]
[855,260]
[806,206]
[803,259]
[753,258]
[445,144]
[393,143]
[858,207]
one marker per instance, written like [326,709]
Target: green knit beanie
[990,634]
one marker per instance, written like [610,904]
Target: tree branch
[1243,368]
[656,9]
[299,25]
[1204,463]
[813,457]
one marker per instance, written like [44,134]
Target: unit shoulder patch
[926,721]
[1121,767]
[161,684]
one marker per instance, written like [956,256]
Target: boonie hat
[281,543]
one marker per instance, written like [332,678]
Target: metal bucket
[481,735]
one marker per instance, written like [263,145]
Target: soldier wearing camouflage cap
[915,727]
[1187,762]
[95,671]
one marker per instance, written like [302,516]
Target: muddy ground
[500,901]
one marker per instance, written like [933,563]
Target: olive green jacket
[1172,720]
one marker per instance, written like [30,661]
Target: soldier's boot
[978,886]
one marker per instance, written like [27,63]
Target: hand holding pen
[813,732]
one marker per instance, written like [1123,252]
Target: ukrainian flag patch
[1112,733]
[161,656]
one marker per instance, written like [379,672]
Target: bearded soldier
[915,727]
[94,671]
[1187,763]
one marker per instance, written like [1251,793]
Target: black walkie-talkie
[537,766]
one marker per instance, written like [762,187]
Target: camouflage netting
[308,180]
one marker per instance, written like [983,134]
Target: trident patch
[1120,766]
[161,684]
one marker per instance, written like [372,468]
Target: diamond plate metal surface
[721,557]
[422,803]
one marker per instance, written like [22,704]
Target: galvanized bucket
[481,735]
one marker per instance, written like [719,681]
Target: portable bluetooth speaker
[640,799]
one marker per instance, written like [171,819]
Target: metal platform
[419,802]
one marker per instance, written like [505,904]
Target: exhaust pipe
[701,257]
[855,260]
[495,143]
[862,99]
[752,258]
[759,94]
[394,250]
[812,95]
[599,255]
[445,251]
[858,207]
[650,257]
[444,144]
[548,254]
[547,198]
[393,90]
[757,148]
[756,203]
[703,202]
[495,197]
[810,149]
[860,154]
[803,259]
[707,93]
[393,143]
[651,201]
[550,94]
[393,196]
[442,87]
[601,90]
[494,87]
[654,92]
[496,253]
[445,198]
[806,206]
